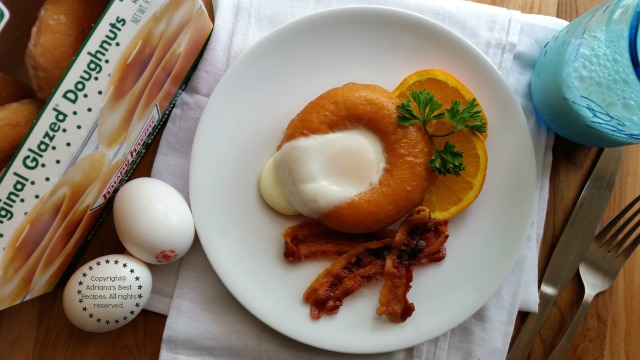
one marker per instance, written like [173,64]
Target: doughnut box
[92,128]
[4,16]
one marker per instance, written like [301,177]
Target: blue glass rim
[633,40]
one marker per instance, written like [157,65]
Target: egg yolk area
[403,182]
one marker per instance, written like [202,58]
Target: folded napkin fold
[205,321]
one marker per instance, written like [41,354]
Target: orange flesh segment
[449,195]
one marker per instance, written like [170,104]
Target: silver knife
[572,245]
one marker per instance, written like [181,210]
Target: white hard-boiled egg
[153,221]
[107,293]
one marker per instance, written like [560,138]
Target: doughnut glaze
[16,119]
[59,31]
[142,61]
[50,218]
[402,184]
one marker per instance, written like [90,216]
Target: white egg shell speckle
[153,221]
[107,293]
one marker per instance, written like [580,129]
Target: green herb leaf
[406,115]
[447,160]
[427,106]
[467,116]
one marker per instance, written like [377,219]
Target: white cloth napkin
[205,321]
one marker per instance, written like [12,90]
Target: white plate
[243,122]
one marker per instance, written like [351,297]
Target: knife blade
[572,245]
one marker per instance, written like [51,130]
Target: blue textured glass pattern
[633,40]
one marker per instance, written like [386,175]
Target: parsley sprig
[447,160]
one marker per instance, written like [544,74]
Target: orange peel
[449,195]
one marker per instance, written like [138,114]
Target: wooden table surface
[39,329]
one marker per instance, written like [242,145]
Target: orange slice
[444,87]
[448,195]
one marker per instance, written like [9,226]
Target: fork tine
[629,232]
[626,252]
[605,258]
[612,230]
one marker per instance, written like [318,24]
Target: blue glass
[586,81]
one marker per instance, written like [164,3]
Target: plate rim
[328,13]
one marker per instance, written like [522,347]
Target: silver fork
[607,253]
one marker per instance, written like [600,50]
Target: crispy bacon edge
[348,273]
[311,240]
[420,239]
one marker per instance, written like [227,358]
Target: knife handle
[521,347]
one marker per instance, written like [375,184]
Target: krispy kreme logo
[130,158]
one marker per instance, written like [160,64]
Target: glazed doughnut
[171,72]
[75,228]
[37,231]
[15,121]
[136,67]
[59,31]
[12,89]
[402,184]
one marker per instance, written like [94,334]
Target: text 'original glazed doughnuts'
[345,161]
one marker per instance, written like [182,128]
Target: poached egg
[310,175]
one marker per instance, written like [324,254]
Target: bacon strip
[348,273]
[420,239]
[310,239]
